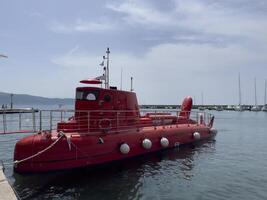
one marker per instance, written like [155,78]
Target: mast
[239,87]
[255,87]
[202,98]
[106,68]
[121,79]
[107,73]
[265,93]
[131,84]
[11,101]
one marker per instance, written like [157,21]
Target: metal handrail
[119,119]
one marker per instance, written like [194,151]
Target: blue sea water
[233,166]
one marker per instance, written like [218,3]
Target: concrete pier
[6,191]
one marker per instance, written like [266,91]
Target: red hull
[88,150]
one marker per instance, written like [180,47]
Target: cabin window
[90,95]
[79,95]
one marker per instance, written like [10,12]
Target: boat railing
[95,120]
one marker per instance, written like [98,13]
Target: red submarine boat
[107,126]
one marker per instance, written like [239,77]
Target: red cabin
[98,109]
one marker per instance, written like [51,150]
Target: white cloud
[82,26]
[196,17]
[137,12]
[217,18]
[187,62]
[185,46]
[36,14]
[72,61]
[187,69]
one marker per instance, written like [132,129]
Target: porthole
[107,98]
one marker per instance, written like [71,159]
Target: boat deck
[17,110]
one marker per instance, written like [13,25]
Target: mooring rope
[40,152]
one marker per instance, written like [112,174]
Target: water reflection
[125,180]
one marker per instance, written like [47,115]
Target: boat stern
[23,150]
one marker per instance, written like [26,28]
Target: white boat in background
[256,107]
[264,107]
[239,107]
[219,108]
[201,108]
[230,107]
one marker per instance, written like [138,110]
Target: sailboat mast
[239,87]
[265,94]
[255,85]
[121,79]
[202,98]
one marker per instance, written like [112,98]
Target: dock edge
[6,191]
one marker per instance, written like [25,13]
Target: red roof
[91,81]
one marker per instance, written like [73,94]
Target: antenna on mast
[121,77]
[131,83]
[107,81]
[106,68]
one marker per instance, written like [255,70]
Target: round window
[91,97]
[107,98]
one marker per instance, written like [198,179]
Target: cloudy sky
[172,48]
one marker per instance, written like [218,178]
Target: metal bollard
[4,122]
[51,122]
[40,120]
[33,121]
[19,121]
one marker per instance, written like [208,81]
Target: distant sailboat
[230,107]
[201,107]
[255,108]
[239,107]
[264,108]
[219,108]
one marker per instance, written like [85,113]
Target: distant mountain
[25,99]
